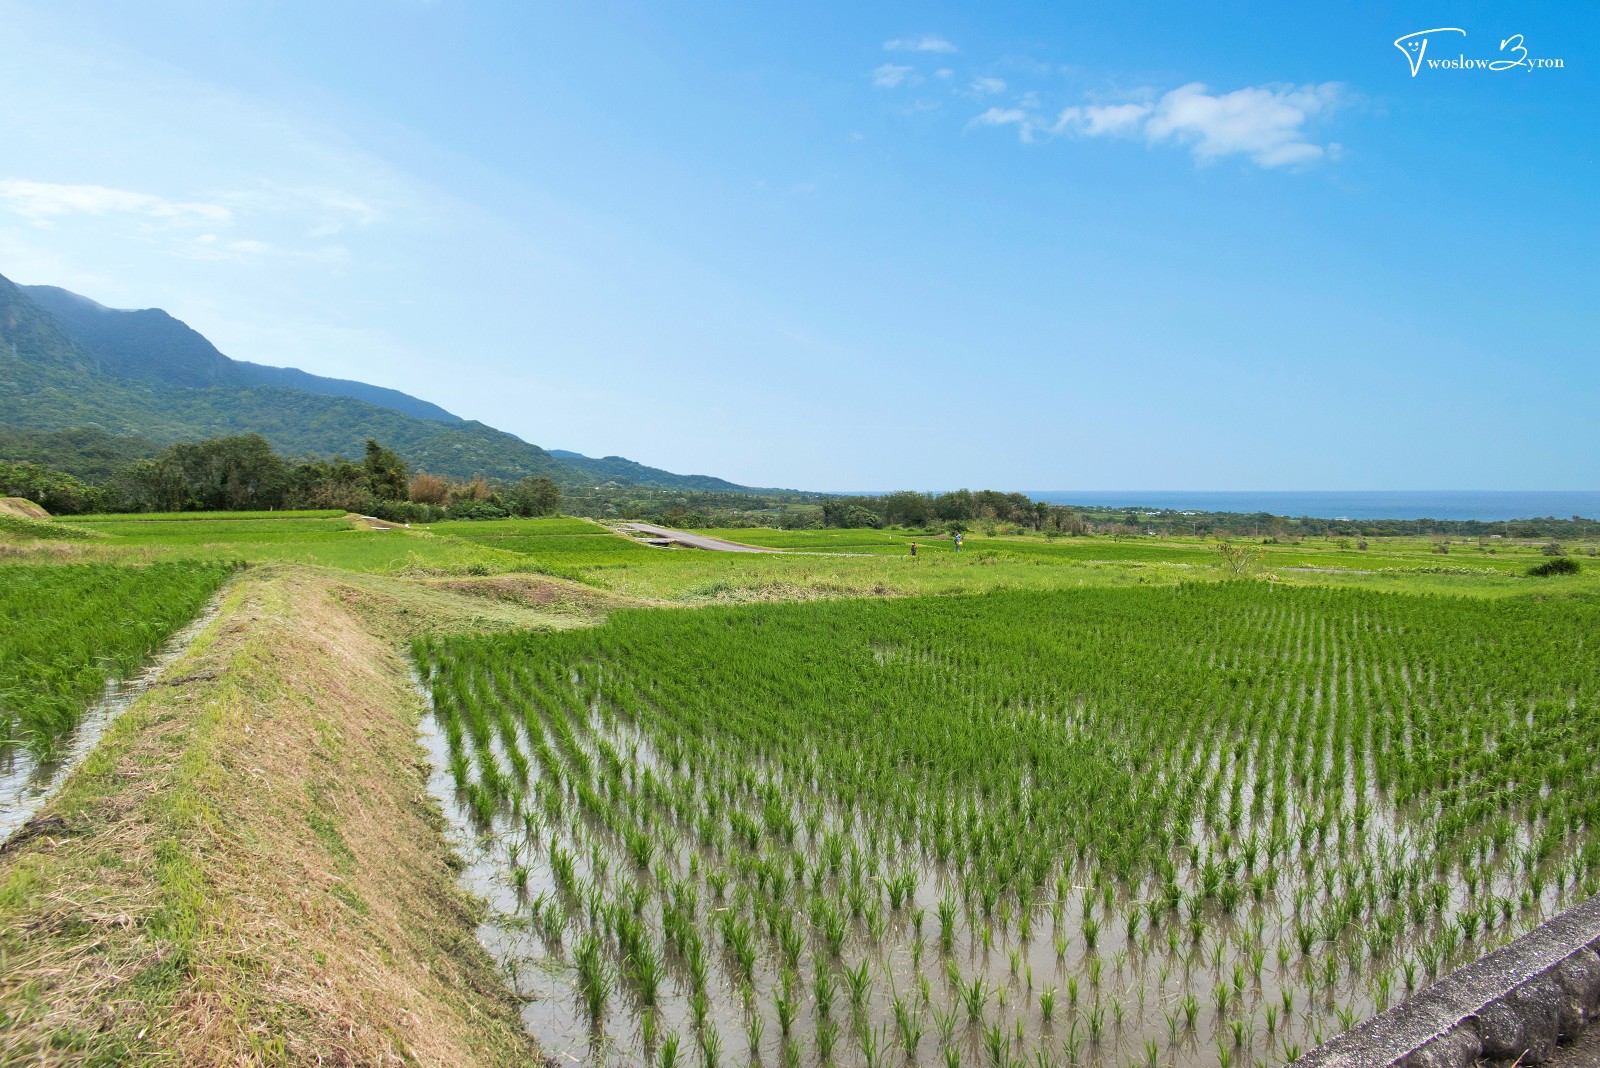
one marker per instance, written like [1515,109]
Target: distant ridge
[151,346]
[627,472]
[73,370]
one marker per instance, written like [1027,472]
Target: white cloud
[1264,123]
[927,42]
[890,75]
[944,72]
[988,86]
[42,201]
[1007,117]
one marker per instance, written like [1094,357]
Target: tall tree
[387,474]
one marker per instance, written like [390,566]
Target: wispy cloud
[44,201]
[1266,124]
[1007,117]
[890,75]
[988,86]
[1097,119]
[927,42]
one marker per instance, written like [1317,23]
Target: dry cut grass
[249,870]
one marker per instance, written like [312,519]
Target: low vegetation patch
[20,526]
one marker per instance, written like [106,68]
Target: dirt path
[249,870]
[694,541]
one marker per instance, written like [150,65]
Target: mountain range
[125,383]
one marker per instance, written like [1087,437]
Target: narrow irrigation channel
[27,782]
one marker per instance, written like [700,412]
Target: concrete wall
[1517,1002]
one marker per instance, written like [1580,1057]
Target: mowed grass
[1074,825]
[66,630]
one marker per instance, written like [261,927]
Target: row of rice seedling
[202,517]
[1209,824]
[181,533]
[597,548]
[69,629]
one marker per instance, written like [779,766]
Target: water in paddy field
[26,782]
[1482,505]
[1084,976]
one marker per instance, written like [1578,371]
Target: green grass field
[815,562]
[1107,825]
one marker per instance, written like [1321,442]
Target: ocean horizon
[1484,505]
[1488,506]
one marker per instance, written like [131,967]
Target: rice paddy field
[1200,823]
[70,629]
[560,546]
[1070,802]
[325,539]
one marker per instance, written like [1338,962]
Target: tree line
[243,473]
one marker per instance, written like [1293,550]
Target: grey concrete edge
[1513,1004]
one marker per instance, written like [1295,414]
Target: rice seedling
[751,796]
[594,979]
[71,628]
[827,1035]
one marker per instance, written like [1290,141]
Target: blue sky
[844,246]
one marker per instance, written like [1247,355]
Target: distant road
[693,541]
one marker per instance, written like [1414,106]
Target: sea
[1486,505]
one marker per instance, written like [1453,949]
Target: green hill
[151,346]
[86,382]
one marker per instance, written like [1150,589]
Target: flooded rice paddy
[1186,827]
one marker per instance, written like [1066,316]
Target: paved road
[693,541]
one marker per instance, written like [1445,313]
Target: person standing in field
[958,541]
[913,550]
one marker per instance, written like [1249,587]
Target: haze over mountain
[146,378]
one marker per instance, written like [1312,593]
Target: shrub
[407,512]
[1561,565]
[471,509]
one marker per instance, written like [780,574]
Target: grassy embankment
[248,869]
